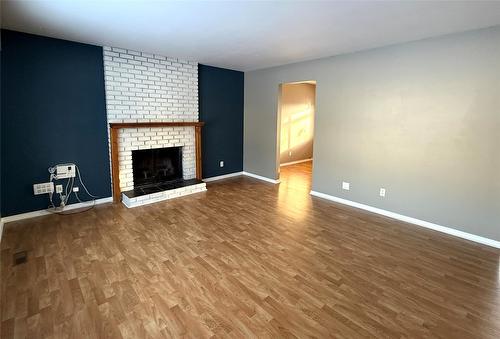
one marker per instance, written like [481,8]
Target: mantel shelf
[155,124]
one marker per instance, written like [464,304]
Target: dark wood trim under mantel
[116,126]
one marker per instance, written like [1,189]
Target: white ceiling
[246,35]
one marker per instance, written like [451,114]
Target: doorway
[296,112]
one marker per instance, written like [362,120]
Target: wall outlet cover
[59,188]
[346,186]
[44,188]
[221,163]
[382,192]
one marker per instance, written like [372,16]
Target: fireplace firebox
[156,166]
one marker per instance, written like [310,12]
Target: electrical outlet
[221,163]
[346,186]
[382,192]
[76,189]
[59,188]
[44,188]
[289,153]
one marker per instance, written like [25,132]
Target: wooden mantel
[116,126]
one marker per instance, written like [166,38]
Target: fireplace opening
[155,166]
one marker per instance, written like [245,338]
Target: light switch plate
[346,186]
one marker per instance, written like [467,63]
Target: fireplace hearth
[157,170]
[155,179]
[157,188]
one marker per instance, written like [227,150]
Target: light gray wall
[297,98]
[420,119]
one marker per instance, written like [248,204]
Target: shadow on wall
[297,122]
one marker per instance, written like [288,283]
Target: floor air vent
[20,257]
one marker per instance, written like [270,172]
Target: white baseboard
[295,162]
[272,181]
[225,176]
[39,213]
[418,222]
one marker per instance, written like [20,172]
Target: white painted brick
[155,197]
[142,87]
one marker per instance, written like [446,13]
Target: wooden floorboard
[244,259]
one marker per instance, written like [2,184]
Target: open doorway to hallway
[296,111]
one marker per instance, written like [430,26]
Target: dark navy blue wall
[53,111]
[221,108]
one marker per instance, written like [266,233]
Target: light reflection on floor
[294,190]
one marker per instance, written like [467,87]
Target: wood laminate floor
[244,259]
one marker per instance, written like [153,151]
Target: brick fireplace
[121,160]
[152,102]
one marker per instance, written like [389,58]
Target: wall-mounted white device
[221,163]
[346,186]
[64,171]
[44,188]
